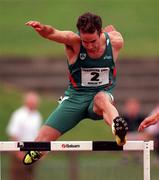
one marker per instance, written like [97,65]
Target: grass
[136,20]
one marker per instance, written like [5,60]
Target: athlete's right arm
[65,37]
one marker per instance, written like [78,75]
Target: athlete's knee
[101,102]
[101,98]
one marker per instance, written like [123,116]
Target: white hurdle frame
[145,146]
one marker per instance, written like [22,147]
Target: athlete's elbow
[119,44]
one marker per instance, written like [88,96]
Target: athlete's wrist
[46,30]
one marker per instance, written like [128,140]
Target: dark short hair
[89,23]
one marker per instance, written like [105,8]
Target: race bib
[95,76]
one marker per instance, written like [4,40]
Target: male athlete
[91,54]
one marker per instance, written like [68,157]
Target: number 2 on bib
[94,76]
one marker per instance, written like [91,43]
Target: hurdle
[144,146]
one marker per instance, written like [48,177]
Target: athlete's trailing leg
[47,134]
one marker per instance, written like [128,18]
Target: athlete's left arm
[115,37]
[116,40]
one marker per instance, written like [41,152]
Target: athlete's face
[91,41]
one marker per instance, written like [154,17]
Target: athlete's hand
[36,25]
[147,122]
[109,28]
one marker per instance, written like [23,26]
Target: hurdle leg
[146,159]
[0,167]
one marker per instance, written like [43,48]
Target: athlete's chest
[86,62]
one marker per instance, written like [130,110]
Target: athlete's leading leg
[103,106]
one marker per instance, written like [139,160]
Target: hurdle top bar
[75,146]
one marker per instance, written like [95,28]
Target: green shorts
[71,110]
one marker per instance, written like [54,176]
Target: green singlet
[87,77]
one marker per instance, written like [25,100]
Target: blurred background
[30,63]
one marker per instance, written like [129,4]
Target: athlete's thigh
[67,115]
[91,114]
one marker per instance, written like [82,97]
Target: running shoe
[119,129]
[31,157]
